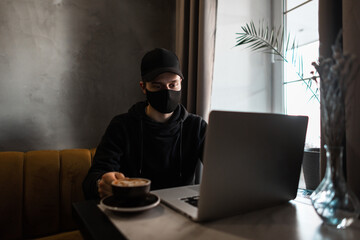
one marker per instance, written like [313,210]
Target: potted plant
[271,40]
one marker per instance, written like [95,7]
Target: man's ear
[143,86]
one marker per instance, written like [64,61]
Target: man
[157,139]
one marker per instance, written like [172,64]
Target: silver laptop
[251,161]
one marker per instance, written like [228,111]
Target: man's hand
[104,185]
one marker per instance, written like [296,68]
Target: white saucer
[111,204]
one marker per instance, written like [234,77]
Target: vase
[332,200]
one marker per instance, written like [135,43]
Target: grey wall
[68,66]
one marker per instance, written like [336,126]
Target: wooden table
[294,220]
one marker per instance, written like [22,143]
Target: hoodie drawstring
[180,150]
[141,147]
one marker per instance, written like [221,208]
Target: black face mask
[164,101]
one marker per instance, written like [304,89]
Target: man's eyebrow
[175,80]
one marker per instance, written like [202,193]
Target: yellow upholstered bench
[37,190]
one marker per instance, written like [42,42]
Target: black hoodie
[137,146]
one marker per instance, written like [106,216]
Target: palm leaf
[271,40]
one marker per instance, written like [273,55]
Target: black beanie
[158,61]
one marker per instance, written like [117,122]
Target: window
[301,20]
[248,81]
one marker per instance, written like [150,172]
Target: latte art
[131,182]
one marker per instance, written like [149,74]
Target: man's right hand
[104,185]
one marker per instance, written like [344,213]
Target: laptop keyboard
[191,200]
